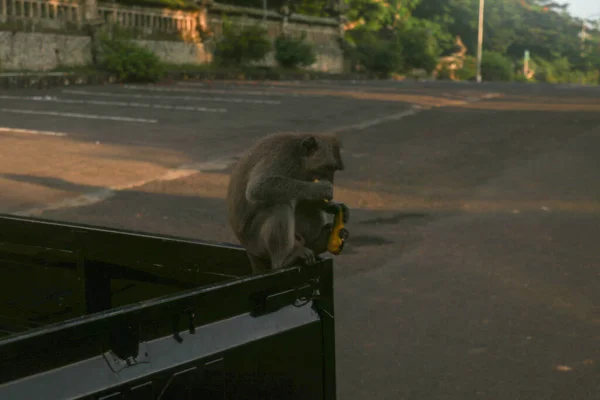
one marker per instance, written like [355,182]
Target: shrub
[129,61]
[443,73]
[420,48]
[560,70]
[469,70]
[378,54]
[496,67]
[240,46]
[294,53]
[522,78]
[556,71]
[589,77]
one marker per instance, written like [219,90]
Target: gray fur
[276,210]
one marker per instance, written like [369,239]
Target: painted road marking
[98,196]
[376,121]
[32,132]
[415,109]
[158,97]
[112,103]
[79,115]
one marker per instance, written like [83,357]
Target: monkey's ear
[309,145]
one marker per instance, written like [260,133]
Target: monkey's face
[323,158]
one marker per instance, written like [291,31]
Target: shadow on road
[53,183]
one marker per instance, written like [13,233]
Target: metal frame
[102,254]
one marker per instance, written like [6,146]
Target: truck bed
[95,313]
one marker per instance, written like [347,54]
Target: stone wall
[43,51]
[22,49]
[178,52]
[46,51]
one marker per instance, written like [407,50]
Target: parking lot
[119,137]
[472,270]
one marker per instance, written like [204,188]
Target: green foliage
[293,53]
[496,67]
[240,46]
[374,15]
[443,74]
[513,26]
[510,26]
[387,36]
[519,77]
[129,61]
[546,71]
[561,71]
[378,53]
[469,70]
[589,77]
[420,42]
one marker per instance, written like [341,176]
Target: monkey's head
[322,154]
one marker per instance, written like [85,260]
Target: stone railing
[150,20]
[52,13]
[60,14]
[319,31]
[199,29]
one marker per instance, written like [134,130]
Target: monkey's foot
[307,257]
[300,256]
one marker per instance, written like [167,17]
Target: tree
[543,27]
[374,15]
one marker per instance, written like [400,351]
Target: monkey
[276,198]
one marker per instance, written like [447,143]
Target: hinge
[125,347]
[268,303]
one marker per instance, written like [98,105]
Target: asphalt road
[473,269]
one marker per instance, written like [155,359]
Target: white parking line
[78,115]
[32,132]
[376,121]
[158,97]
[91,198]
[219,91]
[112,103]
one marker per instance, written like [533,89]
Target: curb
[264,75]
[45,80]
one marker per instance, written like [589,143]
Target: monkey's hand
[282,189]
[332,207]
[321,190]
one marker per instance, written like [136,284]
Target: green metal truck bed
[95,313]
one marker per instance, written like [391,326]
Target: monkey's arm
[283,189]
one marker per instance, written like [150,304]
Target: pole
[264,3]
[480,40]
